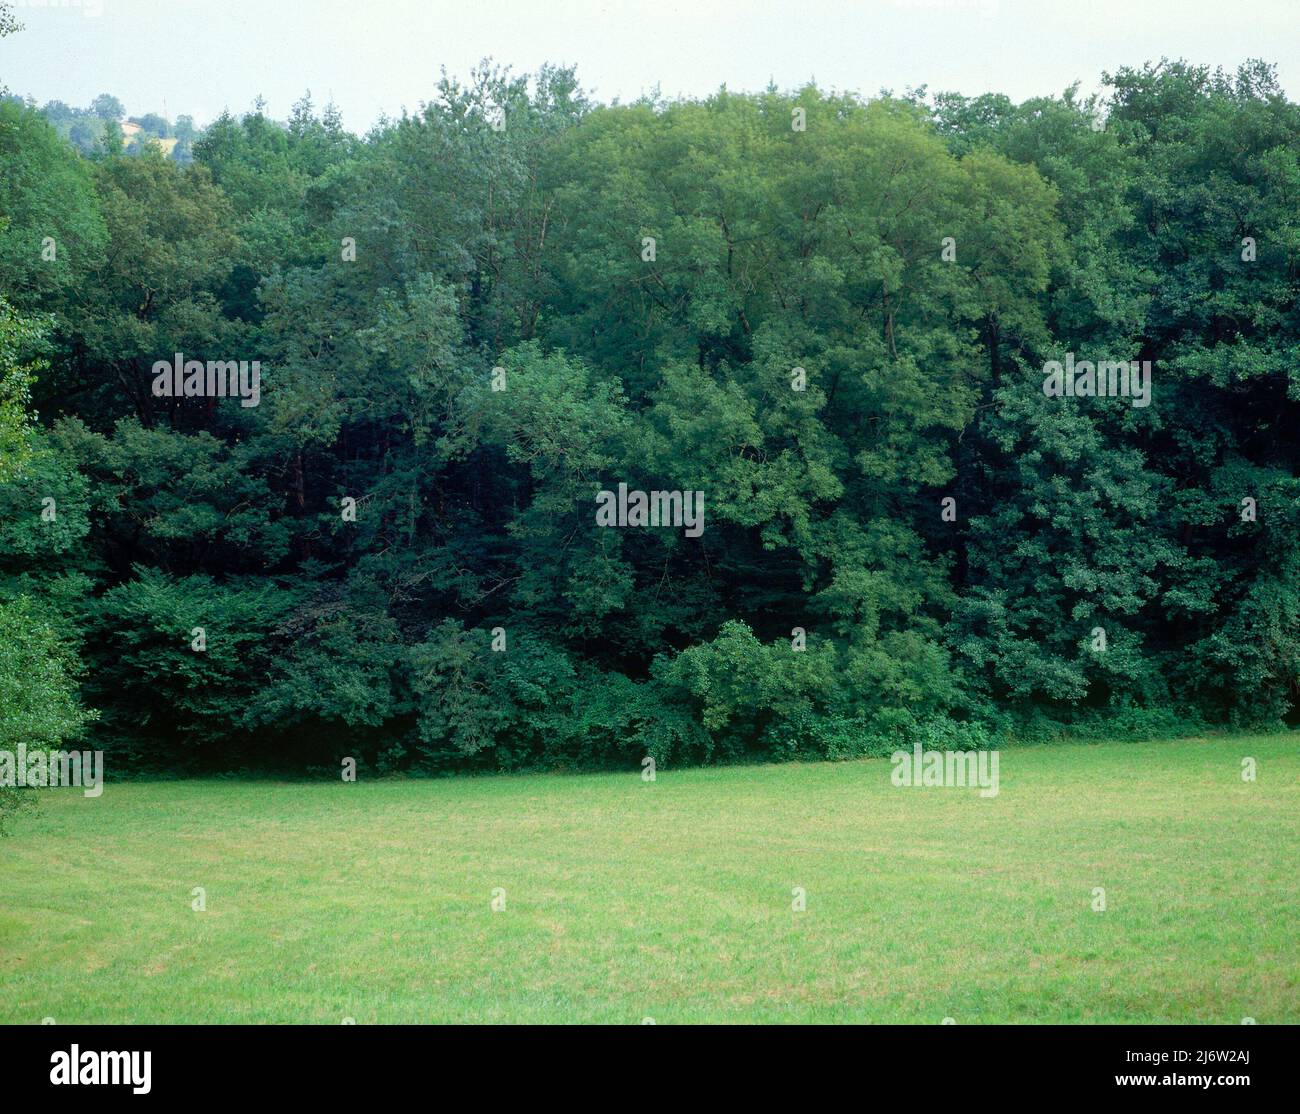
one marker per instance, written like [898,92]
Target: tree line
[828,315]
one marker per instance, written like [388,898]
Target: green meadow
[672,900]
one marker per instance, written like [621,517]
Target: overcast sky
[378,56]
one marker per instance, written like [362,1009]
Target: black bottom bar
[1228,1063]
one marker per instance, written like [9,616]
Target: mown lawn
[626,900]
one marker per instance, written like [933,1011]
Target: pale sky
[371,57]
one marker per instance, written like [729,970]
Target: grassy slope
[672,900]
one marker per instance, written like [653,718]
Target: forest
[837,325]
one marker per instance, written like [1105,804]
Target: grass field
[672,900]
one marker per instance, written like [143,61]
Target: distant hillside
[90,129]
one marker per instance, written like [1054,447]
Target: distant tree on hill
[153,124]
[57,112]
[107,107]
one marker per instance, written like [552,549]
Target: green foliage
[678,296]
[18,336]
[38,692]
[39,704]
[51,236]
[189,660]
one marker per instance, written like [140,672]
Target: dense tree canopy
[831,316]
